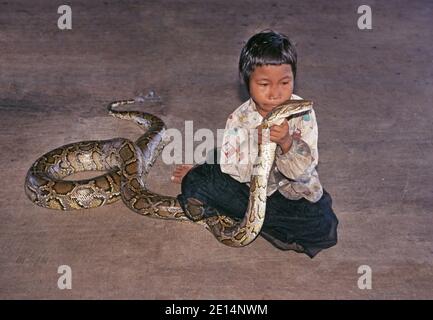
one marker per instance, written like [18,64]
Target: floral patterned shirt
[294,173]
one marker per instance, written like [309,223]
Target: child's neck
[263,113]
[259,110]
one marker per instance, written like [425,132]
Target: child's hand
[279,134]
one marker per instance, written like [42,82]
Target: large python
[127,165]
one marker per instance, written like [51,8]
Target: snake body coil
[127,165]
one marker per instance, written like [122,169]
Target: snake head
[286,109]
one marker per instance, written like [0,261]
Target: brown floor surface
[373,95]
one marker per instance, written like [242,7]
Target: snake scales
[127,164]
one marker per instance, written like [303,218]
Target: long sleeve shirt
[293,173]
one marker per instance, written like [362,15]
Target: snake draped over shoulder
[126,165]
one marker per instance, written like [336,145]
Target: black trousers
[297,225]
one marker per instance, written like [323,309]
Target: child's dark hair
[266,48]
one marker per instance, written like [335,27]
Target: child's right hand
[278,134]
[259,134]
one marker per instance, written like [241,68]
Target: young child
[299,213]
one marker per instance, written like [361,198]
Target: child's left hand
[281,136]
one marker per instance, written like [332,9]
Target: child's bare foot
[180,171]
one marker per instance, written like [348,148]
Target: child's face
[270,86]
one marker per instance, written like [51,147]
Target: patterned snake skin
[127,165]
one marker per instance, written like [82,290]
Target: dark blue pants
[289,224]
